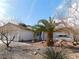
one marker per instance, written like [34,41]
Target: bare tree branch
[5,39]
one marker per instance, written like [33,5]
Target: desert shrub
[51,53]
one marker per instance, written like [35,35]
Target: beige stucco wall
[21,35]
[25,35]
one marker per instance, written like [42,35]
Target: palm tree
[47,26]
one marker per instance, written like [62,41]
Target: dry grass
[26,51]
[73,55]
[16,51]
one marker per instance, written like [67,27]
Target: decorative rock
[35,53]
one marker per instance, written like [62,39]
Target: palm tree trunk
[50,41]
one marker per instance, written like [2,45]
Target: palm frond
[43,22]
[41,28]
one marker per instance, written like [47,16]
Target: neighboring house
[59,36]
[21,33]
[63,36]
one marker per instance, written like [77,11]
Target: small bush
[51,53]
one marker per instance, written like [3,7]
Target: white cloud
[4,9]
[60,7]
[74,5]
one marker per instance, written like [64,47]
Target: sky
[28,11]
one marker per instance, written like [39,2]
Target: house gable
[12,27]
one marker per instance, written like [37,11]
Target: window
[63,36]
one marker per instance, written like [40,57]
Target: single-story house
[21,33]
